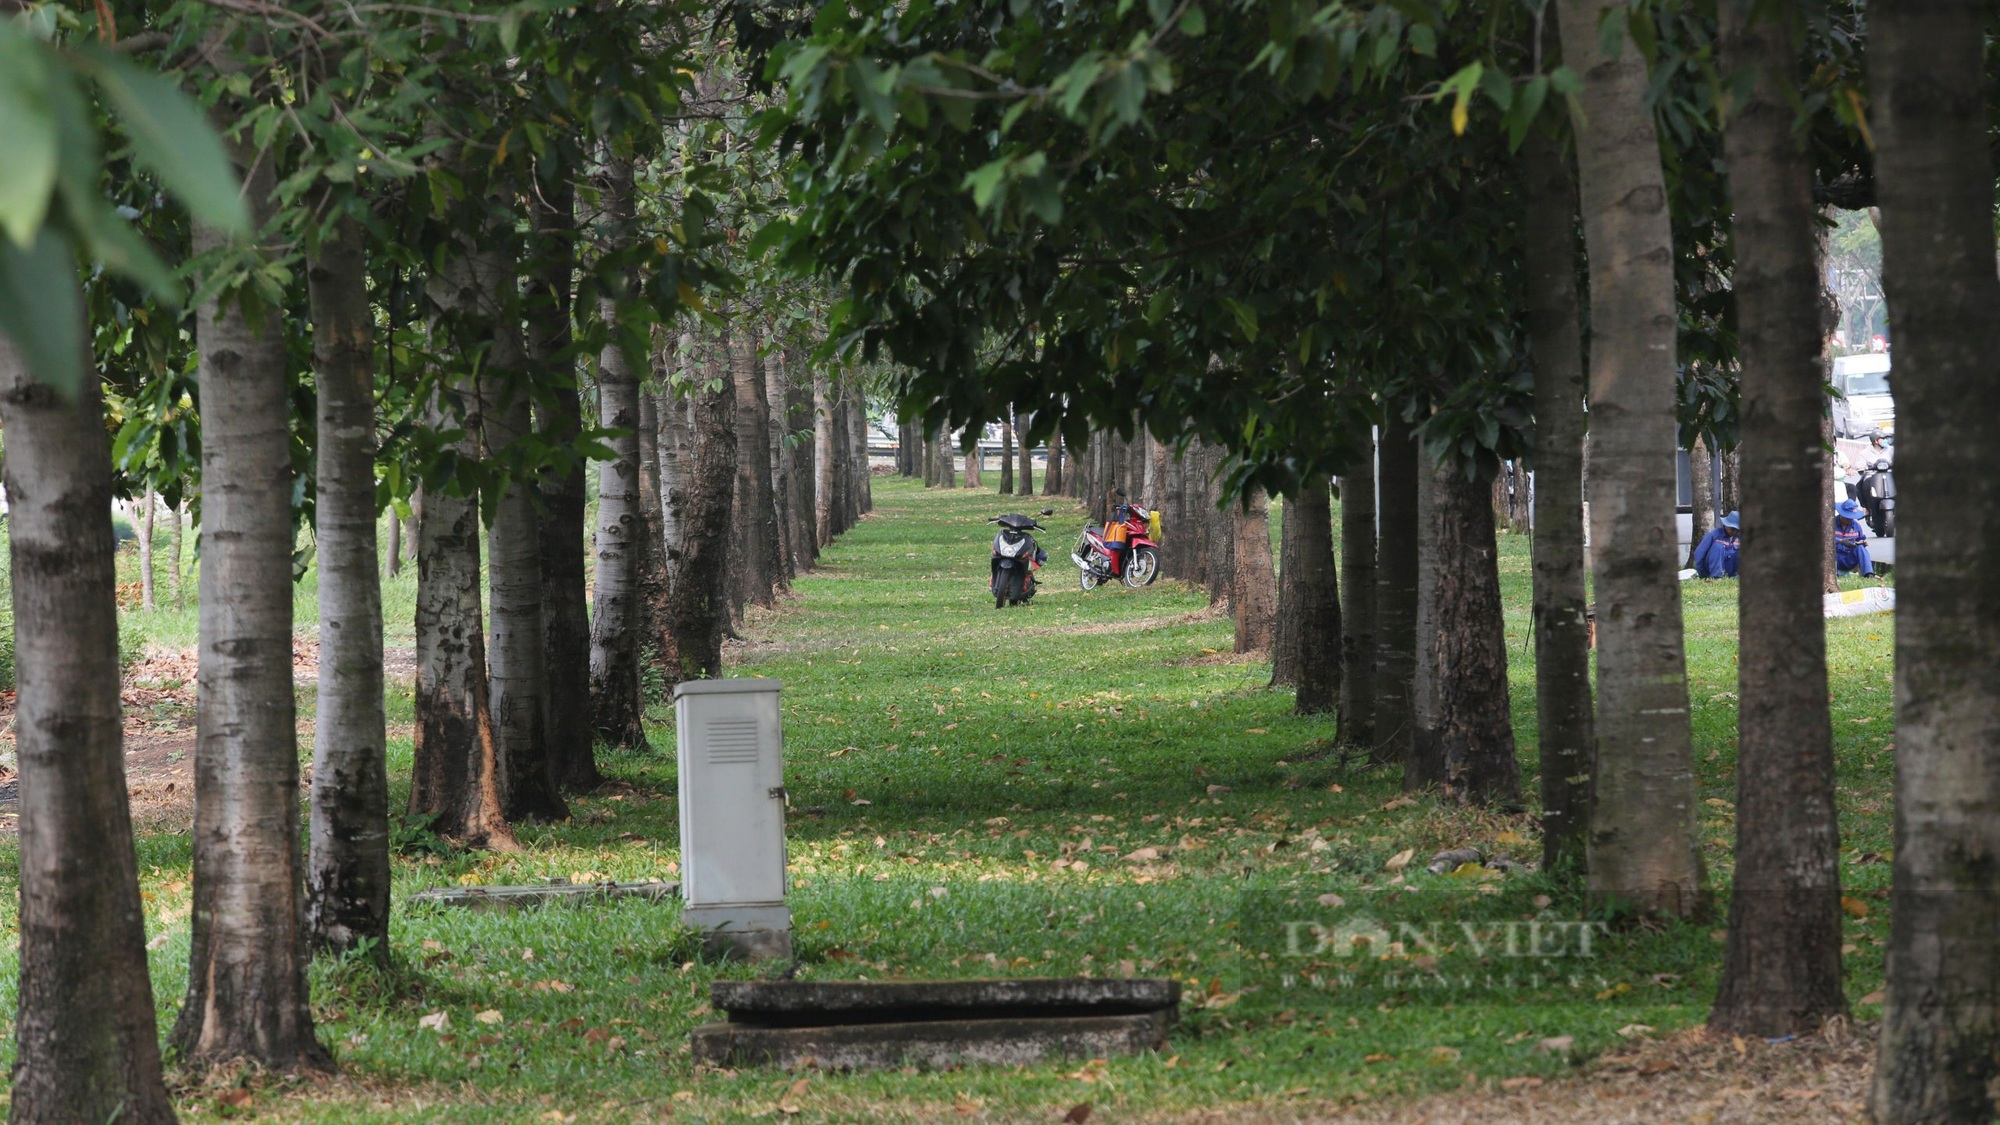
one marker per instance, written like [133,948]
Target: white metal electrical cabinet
[730,738]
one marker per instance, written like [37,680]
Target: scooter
[1876,493]
[1127,550]
[1016,558]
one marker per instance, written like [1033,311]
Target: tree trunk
[1357,613]
[1007,453]
[617,612]
[455,777]
[347,869]
[1519,498]
[864,491]
[798,454]
[755,523]
[247,997]
[1254,598]
[654,568]
[1643,849]
[1940,1035]
[559,421]
[393,554]
[1464,740]
[516,660]
[975,459]
[86,1044]
[1560,615]
[1026,485]
[1781,971]
[1052,476]
[1701,476]
[1732,495]
[147,601]
[1308,619]
[825,453]
[1395,593]
[179,585]
[771,369]
[700,610]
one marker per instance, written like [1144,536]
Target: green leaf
[27,137]
[41,310]
[170,135]
[1423,40]
[985,181]
[109,239]
[1194,24]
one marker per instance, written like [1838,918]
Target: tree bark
[247,997]
[1781,971]
[618,612]
[1356,707]
[559,420]
[455,777]
[392,555]
[801,519]
[825,453]
[516,661]
[864,489]
[1254,598]
[755,523]
[1395,593]
[1940,1036]
[179,585]
[655,569]
[1052,477]
[1464,738]
[86,1045]
[347,869]
[1007,454]
[147,601]
[700,611]
[1307,649]
[1643,850]
[1701,476]
[1560,615]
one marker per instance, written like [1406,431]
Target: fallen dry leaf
[1332,900]
[1400,860]
[233,1099]
[1658,1066]
[1522,1083]
[437,1021]
[490,1015]
[1555,1043]
[1854,906]
[1078,1114]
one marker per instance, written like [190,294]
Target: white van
[1864,406]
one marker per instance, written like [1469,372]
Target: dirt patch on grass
[159,703]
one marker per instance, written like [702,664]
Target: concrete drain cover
[858,1025]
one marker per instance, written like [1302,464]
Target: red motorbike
[1127,549]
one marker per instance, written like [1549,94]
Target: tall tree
[1357,611]
[1254,596]
[1307,651]
[1395,593]
[1701,489]
[247,996]
[454,779]
[825,453]
[559,422]
[1007,454]
[754,522]
[1940,1037]
[347,867]
[516,659]
[1464,734]
[1560,612]
[1644,853]
[86,1043]
[700,612]
[617,610]
[1052,476]
[1781,971]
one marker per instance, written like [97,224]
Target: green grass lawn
[1088,785]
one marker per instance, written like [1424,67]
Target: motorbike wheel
[1142,567]
[1888,524]
[999,601]
[1088,579]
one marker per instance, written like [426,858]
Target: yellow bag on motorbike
[1153,525]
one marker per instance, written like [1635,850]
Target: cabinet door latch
[778,793]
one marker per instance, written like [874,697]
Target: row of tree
[1372,241]
[445,259]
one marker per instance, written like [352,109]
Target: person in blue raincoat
[1850,540]
[1715,555]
